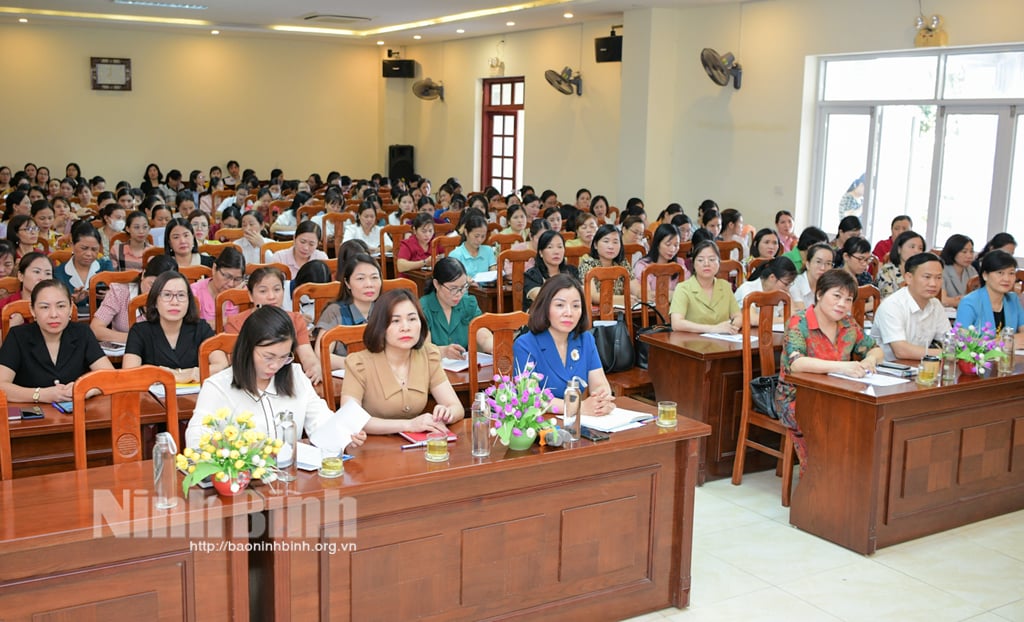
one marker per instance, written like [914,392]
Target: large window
[503,114]
[936,134]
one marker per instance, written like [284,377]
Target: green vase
[520,443]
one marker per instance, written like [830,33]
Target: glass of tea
[437,447]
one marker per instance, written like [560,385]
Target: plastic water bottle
[481,427]
[571,412]
[287,462]
[1006,363]
[948,359]
[165,480]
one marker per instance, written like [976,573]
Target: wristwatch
[35,395]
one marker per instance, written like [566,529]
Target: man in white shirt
[912,319]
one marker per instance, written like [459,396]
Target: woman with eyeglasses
[856,258]
[263,381]
[228,273]
[83,265]
[303,249]
[705,303]
[172,333]
[777,275]
[23,234]
[110,321]
[449,308]
[819,261]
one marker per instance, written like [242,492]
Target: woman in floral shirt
[820,339]
[890,277]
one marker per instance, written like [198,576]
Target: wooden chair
[632,249]
[503,326]
[253,267]
[663,274]
[352,337]
[732,271]
[442,247]
[6,468]
[126,388]
[568,235]
[973,283]
[494,227]
[151,252]
[221,342]
[400,283]
[573,254]
[214,250]
[860,306]
[229,234]
[396,233]
[443,228]
[18,307]
[240,298]
[332,265]
[322,295]
[275,208]
[121,237]
[504,241]
[450,216]
[754,263]
[107,277]
[217,197]
[136,306]
[873,267]
[635,380]
[765,303]
[306,212]
[684,249]
[331,243]
[517,278]
[60,256]
[9,285]
[195,273]
[726,248]
[270,248]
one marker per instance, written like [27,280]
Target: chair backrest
[307,211]
[632,249]
[726,248]
[60,256]
[18,307]
[214,250]
[573,254]
[106,277]
[322,295]
[6,468]
[517,277]
[400,283]
[396,233]
[503,326]
[221,342]
[973,283]
[568,235]
[121,237]
[765,303]
[442,246]
[443,228]
[874,265]
[864,294]
[195,273]
[9,285]
[218,196]
[253,267]
[663,274]
[275,208]
[352,337]
[126,388]
[151,252]
[337,220]
[504,240]
[228,234]
[240,298]
[755,262]
[136,306]
[605,276]
[732,271]
[270,248]
[450,216]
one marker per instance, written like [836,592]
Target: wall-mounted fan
[428,89]
[565,81]
[721,68]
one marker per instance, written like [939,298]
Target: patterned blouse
[890,279]
[804,338]
[587,263]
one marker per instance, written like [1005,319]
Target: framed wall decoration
[111,74]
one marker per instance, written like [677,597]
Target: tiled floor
[750,564]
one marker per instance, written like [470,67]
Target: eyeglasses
[234,280]
[457,291]
[706,261]
[861,258]
[167,296]
[30,229]
[280,361]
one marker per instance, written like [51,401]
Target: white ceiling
[258,16]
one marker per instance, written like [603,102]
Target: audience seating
[395,233]
[6,468]
[19,307]
[352,337]
[400,283]
[240,298]
[9,285]
[151,252]
[441,246]
[136,306]
[322,295]
[732,271]
[631,251]
[60,257]
[504,241]
[270,248]
[754,263]
[973,283]
[228,234]
[727,247]
[517,277]
[214,250]
[331,244]
[195,273]
[573,254]
[221,342]
[504,327]
[635,380]
[107,277]
[307,212]
[860,306]
[661,297]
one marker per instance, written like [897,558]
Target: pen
[415,445]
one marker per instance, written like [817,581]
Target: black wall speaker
[400,162]
[399,69]
[608,49]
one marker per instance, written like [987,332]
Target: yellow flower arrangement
[232,447]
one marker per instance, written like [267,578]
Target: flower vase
[234,486]
[968,369]
[521,443]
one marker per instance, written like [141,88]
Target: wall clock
[111,74]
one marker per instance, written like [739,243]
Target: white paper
[737,338]
[489,276]
[618,419]
[879,380]
[309,457]
[1020,352]
[182,389]
[603,323]
[778,327]
[338,373]
[114,351]
[950,312]
[457,365]
[339,428]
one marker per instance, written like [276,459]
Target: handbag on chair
[642,349]
[614,345]
[762,394]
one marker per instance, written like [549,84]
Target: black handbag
[615,346]
[642,348]
[762,394]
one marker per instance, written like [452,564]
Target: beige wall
[196,100]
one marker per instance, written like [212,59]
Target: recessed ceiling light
[145,19]
[380,43]
[417,37]
[460,31]
[510,23]
[568,15]
[23,20]
[163,5]
[214,32]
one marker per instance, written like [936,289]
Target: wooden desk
[420,278]
[704,377]
[90,544]
[599,530]
[897,463]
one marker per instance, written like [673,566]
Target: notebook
[618,419]
[421,437]
[191,388]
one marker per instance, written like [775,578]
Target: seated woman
[360,287]
[607,249]
[517,224]
[263,381]
[664,250]
[849,227]
[200,222]
[252,239]
[23,234]
[1000,242]
[554,217]
[40,361]
[766,244]
[113,216]
[561,346]
[181,244]
[473,253]
[315,271]
[303,249]
[704,303]
[228,273]
[775,276]
[128,256]
[821,339]
[406,205]
[365,228]
[819,261]
[266,289]
[957,257]
[414,251]
[449,309]
[110,321]
[399,368]
[586,227]
[288,219]
[890,276]
[32,270]
[995,303]
[76,273]
[550,260]
[856,258]
[172,333]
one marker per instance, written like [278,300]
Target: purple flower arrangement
[978,347]
[518,404]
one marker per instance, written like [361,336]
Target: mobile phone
[896,366]
[31,413]
[64,407]
[111,345]
[593,435]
